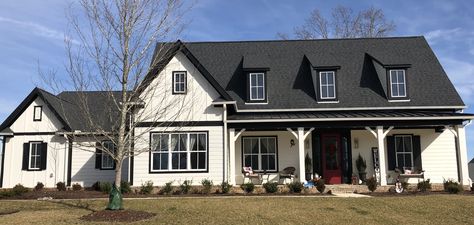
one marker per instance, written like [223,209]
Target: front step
[349,188]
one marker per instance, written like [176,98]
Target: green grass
[431,209]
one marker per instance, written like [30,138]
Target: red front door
[331,155]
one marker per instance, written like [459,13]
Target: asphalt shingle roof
[289,79]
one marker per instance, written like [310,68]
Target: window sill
[399,100]
[328,101]
[256,103]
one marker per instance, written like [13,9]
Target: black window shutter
[26,156]
[417,152]
[43,155]
[98,156]
[391,152]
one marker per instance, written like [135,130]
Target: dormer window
[257,87]
[398,85]
[179,82]
[327,85]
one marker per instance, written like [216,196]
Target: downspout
[226,148]
[4,140]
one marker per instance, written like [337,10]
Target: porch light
[356,142]
[292,143]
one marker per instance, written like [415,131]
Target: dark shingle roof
[290,84]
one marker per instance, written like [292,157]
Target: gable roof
[65,106]
[290,83]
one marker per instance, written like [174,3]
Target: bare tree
[344,23]
[109,51]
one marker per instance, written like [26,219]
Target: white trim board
[352,119]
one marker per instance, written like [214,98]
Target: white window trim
[105,155]
[259,154]
[37,155]
[37,116]
[404,152]
[404,84]
[188,151]
[176,74]
[327,85]
[257,86]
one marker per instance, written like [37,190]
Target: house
[471,169]
[263,104]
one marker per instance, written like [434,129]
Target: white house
[259,104]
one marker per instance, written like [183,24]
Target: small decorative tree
[361,165]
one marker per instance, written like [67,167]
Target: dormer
[256,70]
[393,78]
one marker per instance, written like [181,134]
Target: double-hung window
[107,159]
[257,86]
[398,87]
[35,156]
[327,85]
[179,82]
[184,151]
[260,153]
[404,151]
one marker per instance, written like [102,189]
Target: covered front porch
[330,148]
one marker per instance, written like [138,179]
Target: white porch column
[232,138]
[301,153]
[462,162]
[383,164]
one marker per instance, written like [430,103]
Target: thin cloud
[38,29]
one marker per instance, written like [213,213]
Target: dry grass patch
[433,209]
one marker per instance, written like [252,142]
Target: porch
[330,149]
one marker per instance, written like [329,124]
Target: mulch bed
[414,193]
[118,216]
[8,212]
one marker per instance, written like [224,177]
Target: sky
[32,34]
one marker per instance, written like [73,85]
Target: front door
[331,157]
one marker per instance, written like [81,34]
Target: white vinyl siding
[35,156]
[327,85]
[398,83]
[185,151]
[260,153]
[257,86]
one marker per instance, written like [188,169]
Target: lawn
[430,209]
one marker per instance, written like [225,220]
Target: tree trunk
[115,196]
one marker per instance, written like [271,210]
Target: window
[179,82]
[260,153]
[397,83]
[327,85]
[38,110]
[107,159]
[35,156]
[257,86]
[404,151]
[179,151]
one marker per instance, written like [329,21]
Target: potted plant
[361,165]
[308,166]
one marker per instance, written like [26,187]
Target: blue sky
[32,34]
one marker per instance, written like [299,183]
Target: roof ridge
[308,40]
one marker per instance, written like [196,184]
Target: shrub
[295,187]
[206,186]
[61,186]
[105,187]
[270,187]
[185,187]
[96,186]
[405,185]
[7,193]
[19,189]
[225,187]
[248,187]
[371,184]
[39,186]
[76,187]
[167,189]
[424,185]
[320,186]
[125,187]
[146,188]
[452,187]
